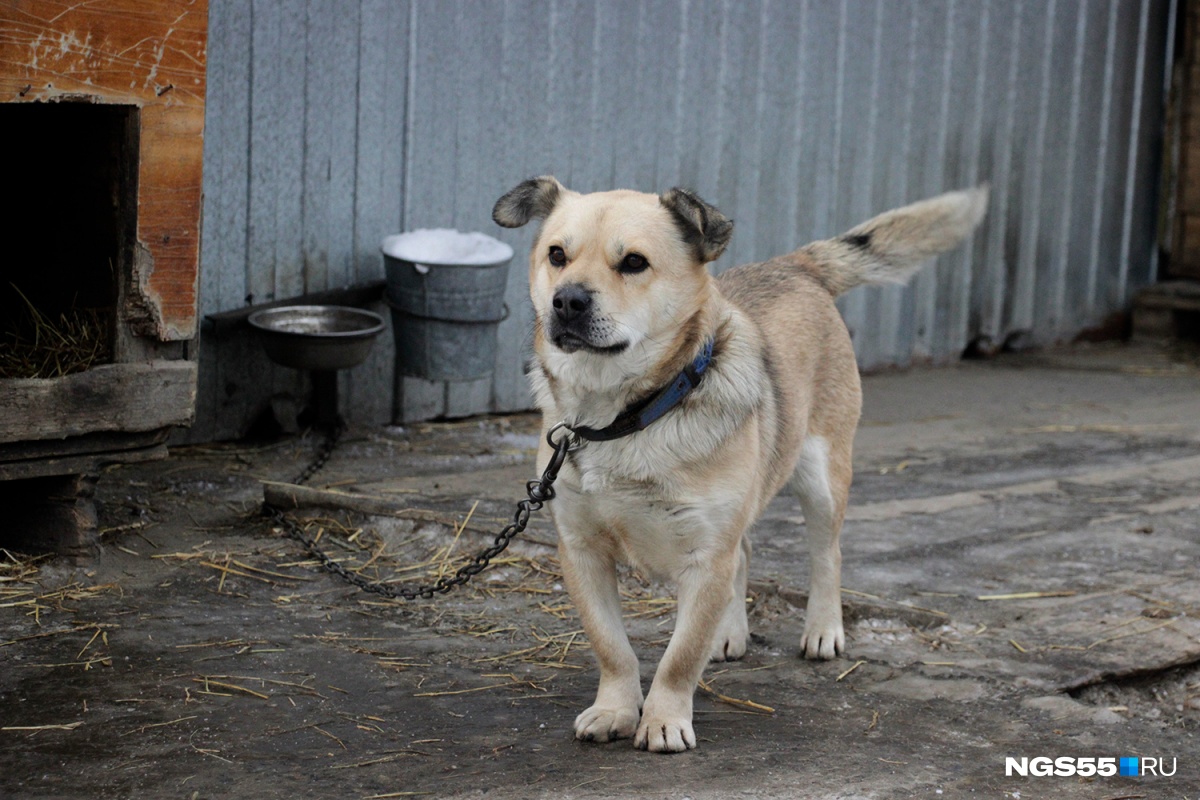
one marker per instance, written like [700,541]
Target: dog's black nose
[571,300]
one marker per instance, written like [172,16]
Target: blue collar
[641,414]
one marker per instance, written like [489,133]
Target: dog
[695,400]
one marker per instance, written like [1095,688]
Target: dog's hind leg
[822,480]
[732,632]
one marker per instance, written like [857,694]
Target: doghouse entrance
[70,183]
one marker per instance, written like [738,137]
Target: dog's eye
[634,262]
[557,256]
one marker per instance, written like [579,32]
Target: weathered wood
[145,55]
[112,397]
[81,463]
[290,495]
[88,444]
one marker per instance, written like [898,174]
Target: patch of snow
[446,246]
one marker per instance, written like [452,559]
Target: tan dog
[624,306]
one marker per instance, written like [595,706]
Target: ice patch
[446,246]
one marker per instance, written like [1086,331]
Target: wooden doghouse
[101,124]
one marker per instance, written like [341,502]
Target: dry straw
[44,347]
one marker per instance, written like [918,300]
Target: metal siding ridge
[290,105]
[835,192]
[1168,63]
[997,299]
[863,189]
[1131,164]
[1101,163]
[410,75]
[724,166]
[646,79]
[381,114]
[260,249]
[960,164]
[831,220]
[669,164]
[314,132]
[752,164]
[1027,265]
[664,110]
[1149,162]
[1066,234]
[226,157]
[792,190]
[477,107]
[225,229]
[927,283]
[777,125]
[343,177]
[525,83]
[316,154]
[817,101]
[416,398]
[974,260]
[901,298]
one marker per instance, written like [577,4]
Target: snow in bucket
[446,247]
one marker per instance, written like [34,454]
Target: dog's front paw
[823,639]
[606,724]
[666,728]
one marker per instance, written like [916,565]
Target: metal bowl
[317,337]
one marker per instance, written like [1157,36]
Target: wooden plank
[124,53]
[123,451]
[113,397]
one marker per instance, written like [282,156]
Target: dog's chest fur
[664,497]
[657,524]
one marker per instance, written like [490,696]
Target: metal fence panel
[332,124]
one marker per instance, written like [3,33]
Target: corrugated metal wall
[332,124]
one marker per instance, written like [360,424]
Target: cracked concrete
[1021,572]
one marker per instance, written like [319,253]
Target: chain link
[539,492]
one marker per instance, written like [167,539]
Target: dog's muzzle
[573,325]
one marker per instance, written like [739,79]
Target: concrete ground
[1021,564]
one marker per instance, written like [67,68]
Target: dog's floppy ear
[534,198]
[703,227]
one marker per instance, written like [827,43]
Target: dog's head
[614,274]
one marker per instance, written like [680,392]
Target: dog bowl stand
[321,340]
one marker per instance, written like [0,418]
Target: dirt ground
[1021,563]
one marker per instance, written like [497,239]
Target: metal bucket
[445,314]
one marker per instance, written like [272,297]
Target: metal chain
[539,492]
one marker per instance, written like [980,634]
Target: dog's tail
[890,247]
